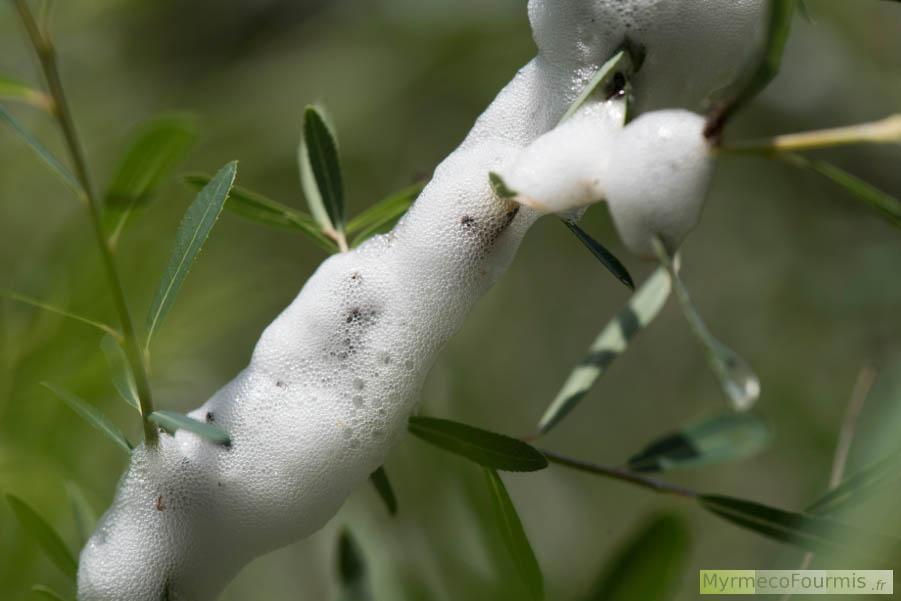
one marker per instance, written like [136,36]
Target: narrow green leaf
[253,206]
[44,534]
[858,487]
[887,205]
[491,450]
[172,422]
[759,77]
[381,216]
[153,152]
[500,187]
[352,572]
[612,342]
[12,295]
[320,171]
[45,155]
[90,414]
[738,381]
[123,379]
[193,231]
[45,592]
[624,62]
[660,548]
[84,515]
[514,537]
[382,484]
[725,438]
[808,532]
[607,258]
[13,89]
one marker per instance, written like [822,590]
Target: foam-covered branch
[334,378]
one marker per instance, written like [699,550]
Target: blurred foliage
[799,278]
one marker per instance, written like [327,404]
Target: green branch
[47,57]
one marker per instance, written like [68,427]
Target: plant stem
[884,131]
[621,474]
[47,57]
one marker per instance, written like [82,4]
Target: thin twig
[623,475]
[862,386]
[43,47]
[884,131]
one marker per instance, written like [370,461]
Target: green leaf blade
[600,252]
[488,449]
[611,342]
[352,571]
[154,151]
[84,515]
[193,231]
[886,205]
[90,414]
[661,548]
[13,89]
[320,171]
[382,484]
[808,532]
[120,371]
[172,422]
[45,535]
[724,438]
[258,208]
[857,487]
[46,592]
[750,85]
[514,537]
[381,216]
[41,151]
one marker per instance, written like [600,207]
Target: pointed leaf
[660,548]
[90,414]
[858,487]
[320,171]
[193,231]
[485,448]
[808,532]
[887,205]
[256,207]
[12,89]
[724,438]
[12,295]
[154,151]
[514,537]
[352,570]
[500,187]
[84,515]
[172,422]
[607,258]
[751,84]
[612,342]
[625,62]
[382,484]
[381,216]
[737,380]
[45,155]
[44,535]
[45,592]
[123,379]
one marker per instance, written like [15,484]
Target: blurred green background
[799,278]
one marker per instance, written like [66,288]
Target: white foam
[335,376]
